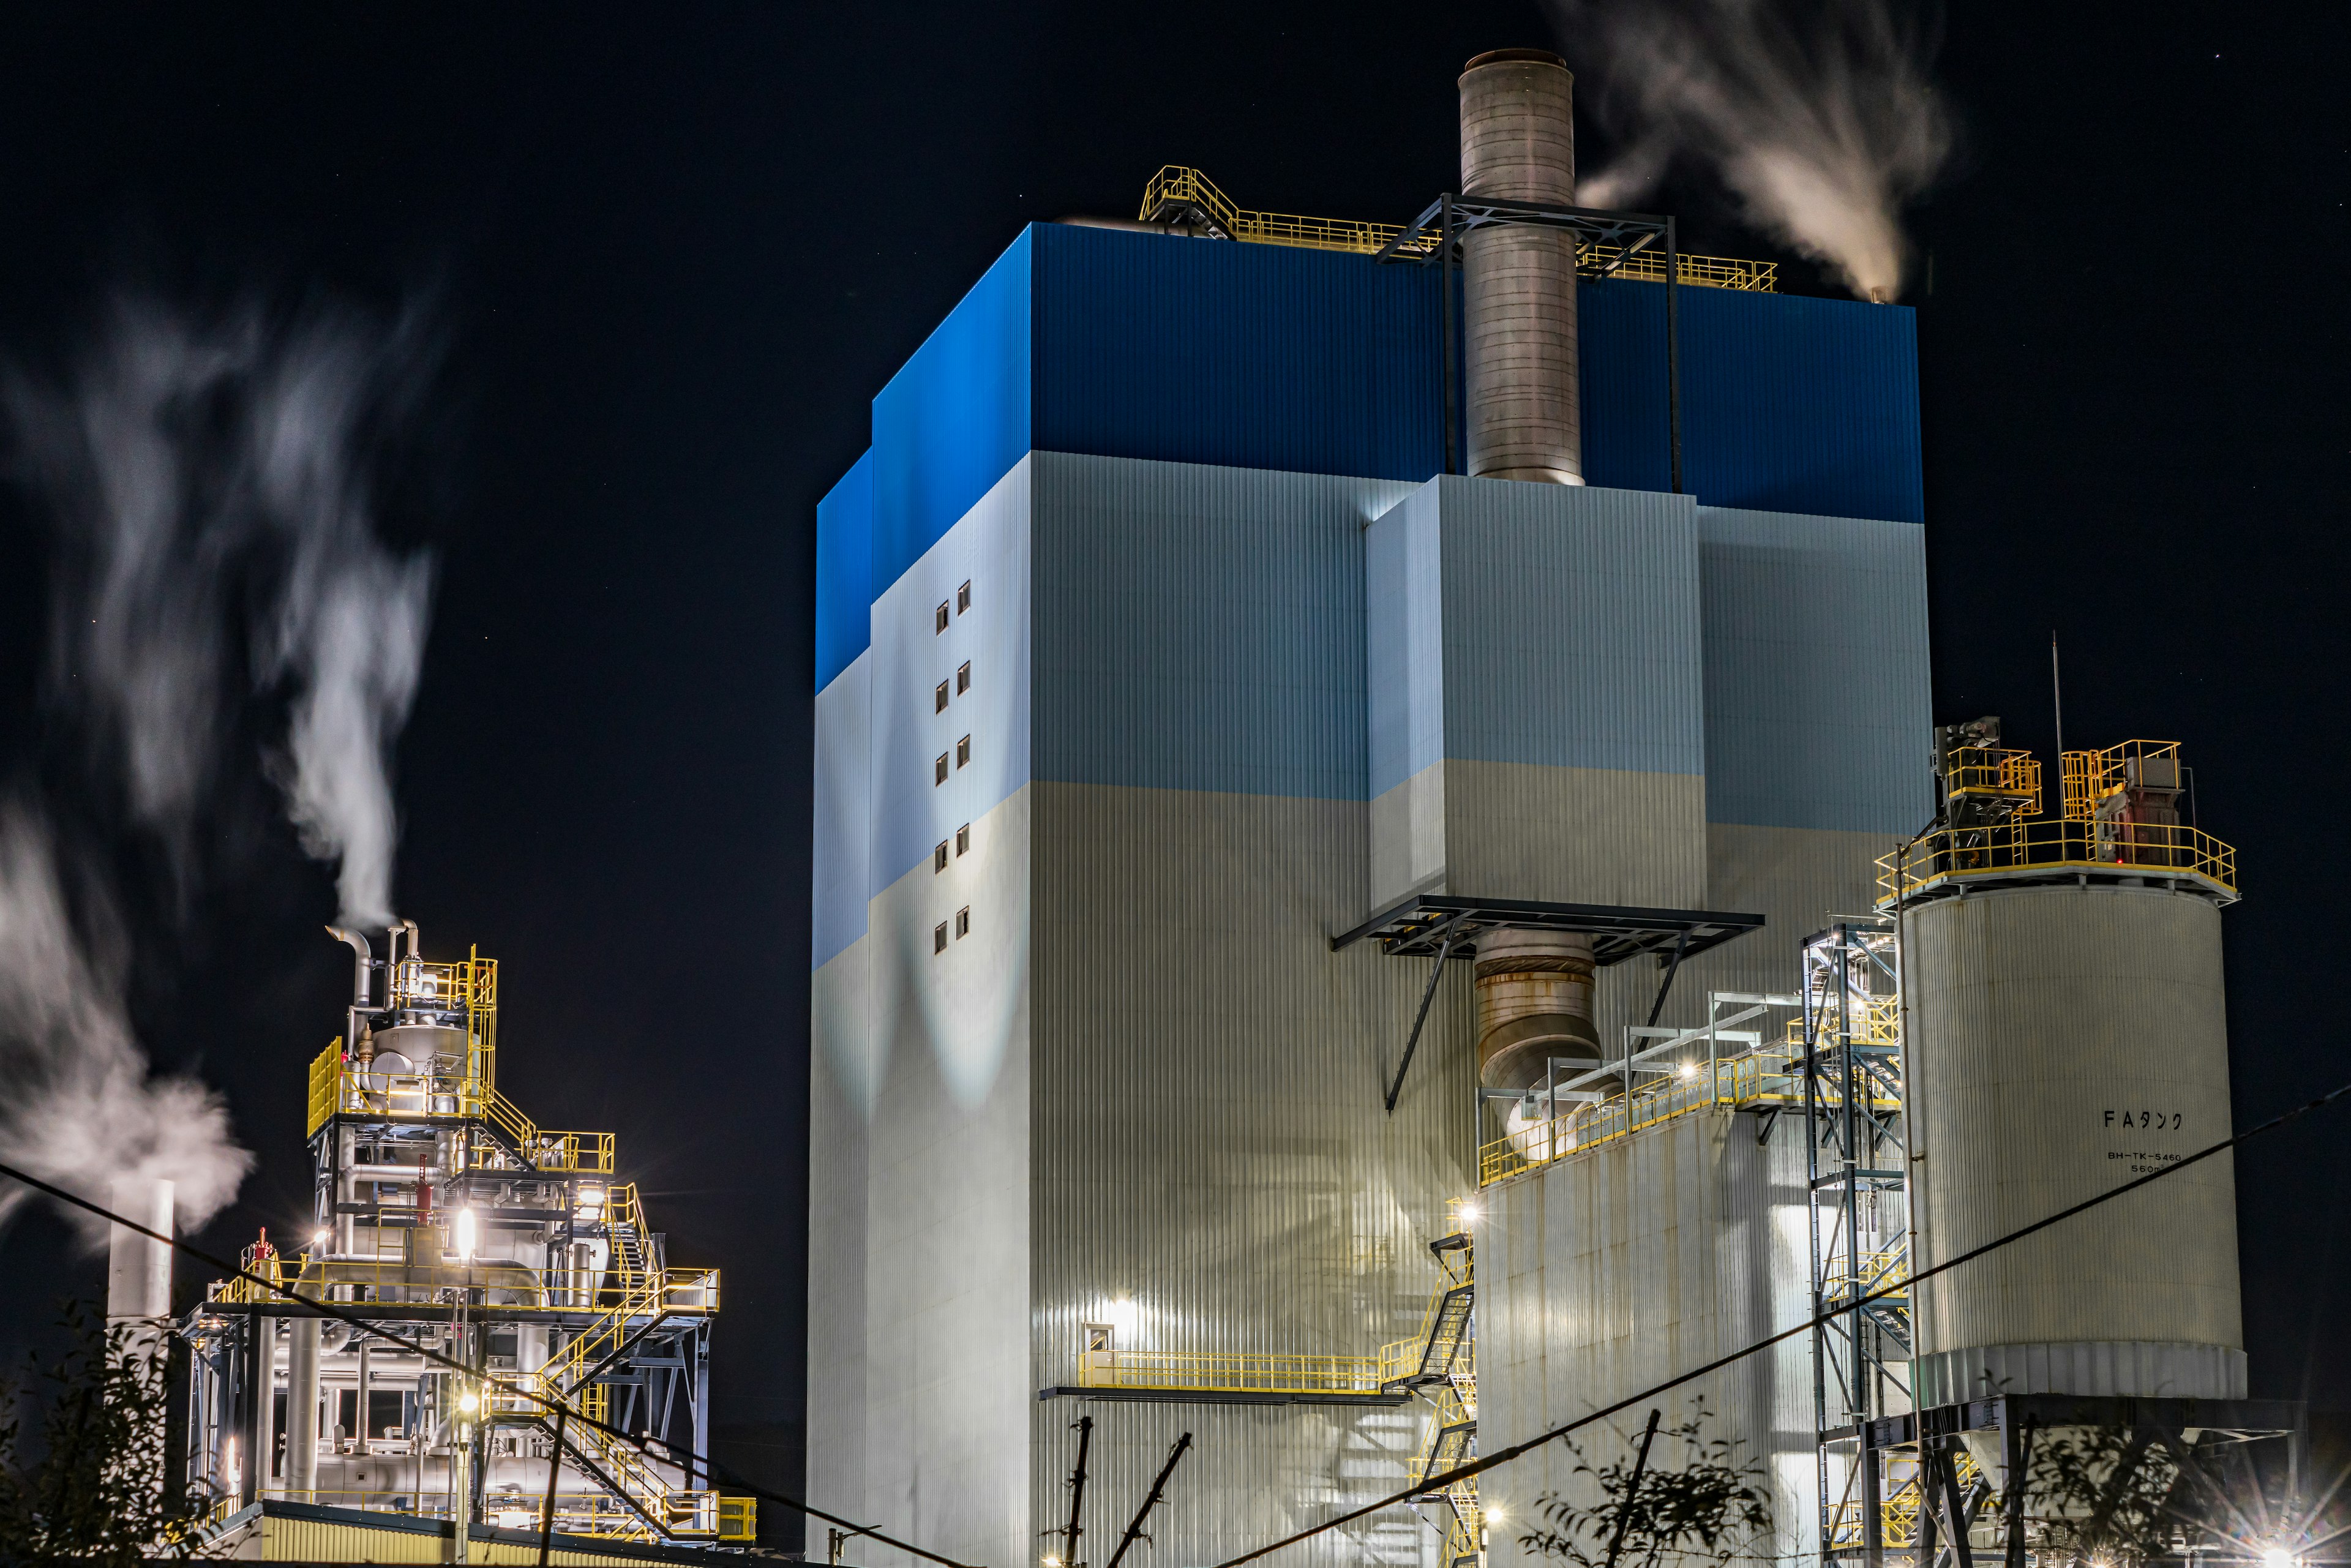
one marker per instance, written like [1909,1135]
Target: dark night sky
[675,249]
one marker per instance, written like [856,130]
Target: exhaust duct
[1517,144]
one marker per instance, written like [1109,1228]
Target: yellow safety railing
[2091,778]
[1988,772]
[1177,187]
[1898,1508]
[1229,1372]
[1887,1266]
[2056,843]
[326,1084]
[1444,1321]
[1773,1077]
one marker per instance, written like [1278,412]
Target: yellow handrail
[2057,844]
[1177,187]
[1229,1372]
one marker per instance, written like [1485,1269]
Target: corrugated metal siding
[1201,627]
[2041,1020]
[947,1292]
[845,570]
[843,1086]
[1210,1143]
[1817,680]
[1248,356]
[989,547]
[1614,1271]
[1570,626]
[842,837]
[955,419]
[1789,403]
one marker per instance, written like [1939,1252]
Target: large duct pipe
[1517,144]
[1534,1006]
[302,1408]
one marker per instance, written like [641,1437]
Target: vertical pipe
[1517,144]
[302,1405]
[1445,305]
[1674,354]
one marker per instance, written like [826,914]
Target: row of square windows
[962,759]
[962,684]
[962,930]
[962,603]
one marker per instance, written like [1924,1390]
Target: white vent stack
[1517,144]
[139,1268]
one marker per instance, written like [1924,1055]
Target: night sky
[672,251]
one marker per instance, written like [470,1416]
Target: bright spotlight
[1689,1070]
[469,1234]
[469,1402]
[1471,1214]
[2277,1557]
[320,1239]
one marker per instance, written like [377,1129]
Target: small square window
[963,752]
[939,858]
[963,598]
[963,923]
[939,769]
[963,840]
[939,698]
[939,937]
[963,677]
[1097,1337]
[939,620]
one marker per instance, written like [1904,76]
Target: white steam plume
[349,623]
[183,460]
[81,1106]
[1819,117]
[189,466]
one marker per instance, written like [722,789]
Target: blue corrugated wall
[1116,344]
[955,419]
[1245,356]
[844,570]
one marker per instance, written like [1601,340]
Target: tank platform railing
[2056,848]
[1178,191]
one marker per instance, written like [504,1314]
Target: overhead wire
[1520,1450]
[679,1452]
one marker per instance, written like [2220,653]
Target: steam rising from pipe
[81,1106]
[190,469]
[1819,117]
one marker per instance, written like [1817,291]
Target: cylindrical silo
[2060,1040]
[1517,144]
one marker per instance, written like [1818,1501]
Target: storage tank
[2065,1033]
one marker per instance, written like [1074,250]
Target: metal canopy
[1421,926]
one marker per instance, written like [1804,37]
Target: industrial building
[1385,876]
[446,1220]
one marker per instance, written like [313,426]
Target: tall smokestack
[1517,144]
[139,1268]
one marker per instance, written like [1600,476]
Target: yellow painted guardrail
[1760,1078]
[1229,1372]
[1176,186]
[2158,850]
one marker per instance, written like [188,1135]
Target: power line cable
[679,1451]
[1519,1451]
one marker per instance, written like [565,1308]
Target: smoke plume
[1818,115]
[207,488]
[81,1105]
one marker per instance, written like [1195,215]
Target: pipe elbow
[361,957]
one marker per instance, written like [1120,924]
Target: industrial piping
[1517,144]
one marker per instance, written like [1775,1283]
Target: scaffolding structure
[1856,1165]
[449,1222]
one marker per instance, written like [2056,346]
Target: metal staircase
[1439,1365]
